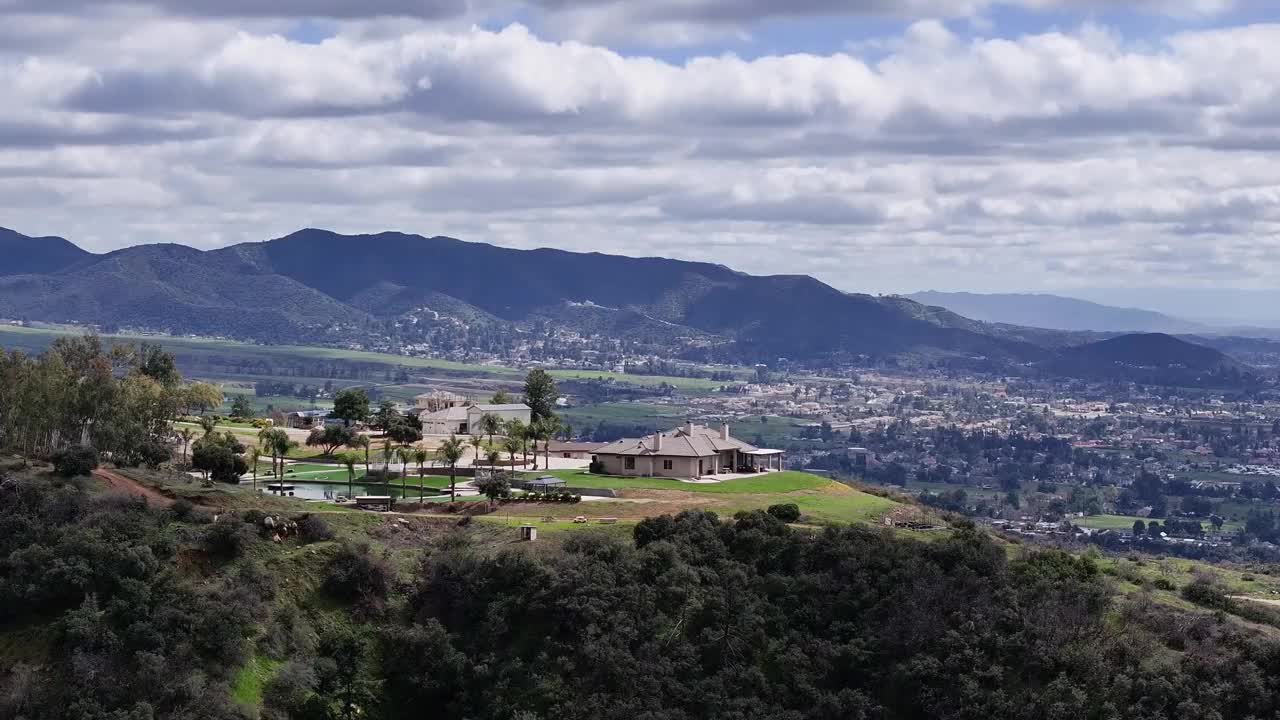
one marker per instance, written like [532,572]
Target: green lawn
[777,482]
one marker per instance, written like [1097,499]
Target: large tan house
[465,420]
[686,453]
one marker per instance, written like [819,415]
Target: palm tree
[349,461]
[490,424]
[493,456]
[186,434]
[449,453]
[252,456]
[282,445]
[550,426]
[208,423]
[518,430]
[512,446]
[406,455]
[386,457]
[420,456]
[362,441]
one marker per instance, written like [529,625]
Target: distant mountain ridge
[24,255]
[1055,312]
[322,287]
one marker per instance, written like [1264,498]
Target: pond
[327,491]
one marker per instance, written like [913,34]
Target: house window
[666,464]
[629,463]
[568,455]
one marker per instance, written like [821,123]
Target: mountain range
[320,286]
[1055,312]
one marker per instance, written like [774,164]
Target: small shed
[381,503]
[544,483]
[528,533]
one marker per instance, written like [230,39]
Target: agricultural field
[198,356]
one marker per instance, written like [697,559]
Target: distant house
[438,400]
[465,420]
[306,419]
[686,453]
[574,450]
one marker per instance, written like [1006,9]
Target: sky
[1073,146]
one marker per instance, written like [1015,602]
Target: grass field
[37,338]
[777,482]
[1125,522]
[820,500]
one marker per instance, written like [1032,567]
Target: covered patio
[765,459]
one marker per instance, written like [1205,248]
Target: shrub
[75,461]
[596,467]
[355,576]
[181,510]
[227,540]
[786,512]
[313,528]
[1205,593]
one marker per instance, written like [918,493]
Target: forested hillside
[111,609]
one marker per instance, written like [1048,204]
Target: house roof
[684,441]
[505,407]
[561,446]
[454,413]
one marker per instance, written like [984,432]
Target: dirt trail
[128,485]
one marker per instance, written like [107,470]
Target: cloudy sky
[881,145]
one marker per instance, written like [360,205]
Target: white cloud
[942,160]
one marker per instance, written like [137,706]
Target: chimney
[657,441]
[688,428]
[724,431]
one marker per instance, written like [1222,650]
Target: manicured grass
[776,482]
[249,681]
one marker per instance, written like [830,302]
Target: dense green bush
[786,512]
[355,576]
[75,461]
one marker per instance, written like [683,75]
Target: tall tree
[351,405]
[241,407]
[547,429]
[281,444]
[186,434]
[251,455]
[540,394]
[387,416]
[512,446]
[208,423]
[449,453]
[349,460]
[516,428]
[420,456]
